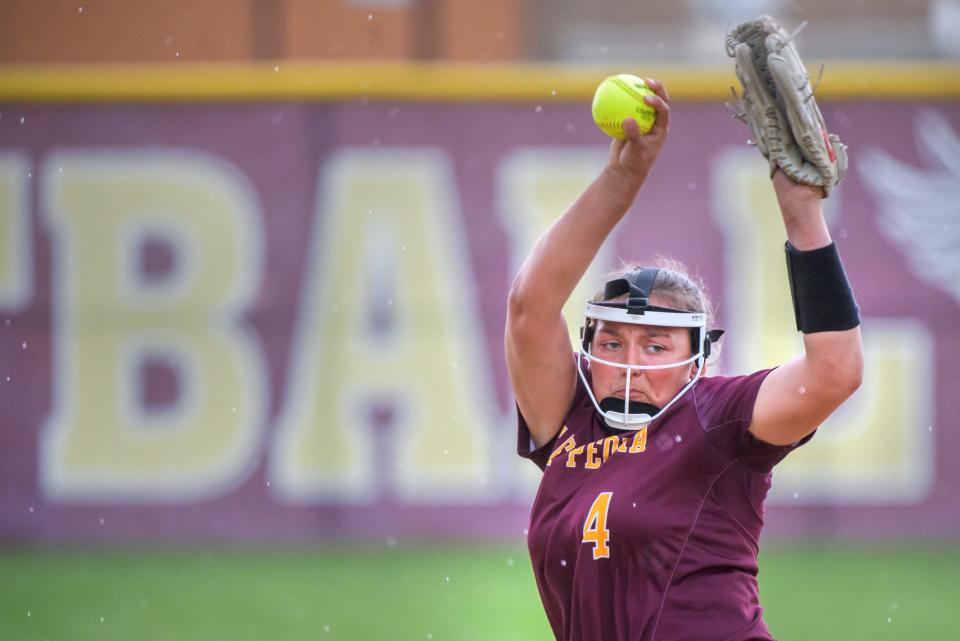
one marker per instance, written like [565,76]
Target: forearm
[566,249]
[828,315]
[564,252]
[800,207]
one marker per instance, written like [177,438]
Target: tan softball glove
[778,104]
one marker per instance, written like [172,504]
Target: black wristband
[822,298]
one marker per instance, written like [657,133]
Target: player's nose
[635,356]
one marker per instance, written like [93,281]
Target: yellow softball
[620,97]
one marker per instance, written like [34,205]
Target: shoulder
[724,399]
[725,407]
[738,384]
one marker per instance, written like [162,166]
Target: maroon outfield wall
[76,378]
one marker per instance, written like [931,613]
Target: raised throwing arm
[537,346]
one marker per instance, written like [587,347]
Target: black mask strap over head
[638,284]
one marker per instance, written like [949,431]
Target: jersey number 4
[595,527]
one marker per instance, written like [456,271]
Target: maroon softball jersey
[652,535]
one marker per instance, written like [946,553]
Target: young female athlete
[649,512]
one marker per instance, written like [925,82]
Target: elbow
[835,361]
[845,376]
[853,369]
[518,302]
[850,381]
[856,377]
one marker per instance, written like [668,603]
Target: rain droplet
[604,49]
[889,619]
[276,67]
[634,505]
[796,495]
[30,510]
[364,101]
[692,186]
[389,302]
[178,54]
[101,520]
[447,579]
[369,16]
[168,40]
[510,561]
[553,92]
[101,619]
[79,9]
[233,409]
[28,614]
[376,142]
[843,233]
[393,113]
[391,542]
[678,438]
[6,322]
[929,429]
[537,109]
[524,531]
[429,636]
[569,128]
[29,174]
[802,390]
[8,379]
[326,628]
[445,451]
[403,248]
[563,563]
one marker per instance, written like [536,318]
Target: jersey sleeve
[725,409]
[525,445]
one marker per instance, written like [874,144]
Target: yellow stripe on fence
[300,80]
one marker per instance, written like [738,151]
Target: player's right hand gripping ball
[620,97]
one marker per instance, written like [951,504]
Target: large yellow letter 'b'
[104,441]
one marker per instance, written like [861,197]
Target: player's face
[640,345]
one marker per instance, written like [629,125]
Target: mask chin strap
[626,415]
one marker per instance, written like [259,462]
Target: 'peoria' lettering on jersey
[593,455]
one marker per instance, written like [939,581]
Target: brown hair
[673,286]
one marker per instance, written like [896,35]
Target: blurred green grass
[428,593]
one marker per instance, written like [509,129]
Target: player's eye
[611,345]
[655,349]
